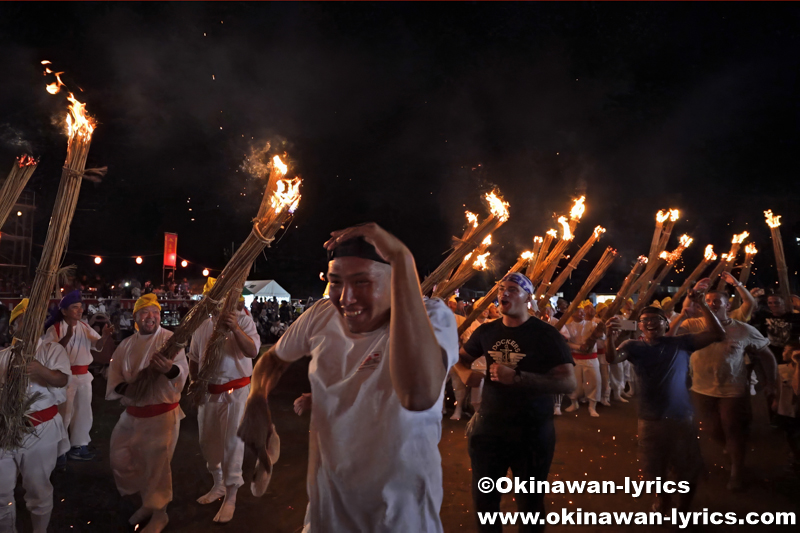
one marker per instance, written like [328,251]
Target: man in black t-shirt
[780,325]
[529,362]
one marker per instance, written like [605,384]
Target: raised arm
[714,331]
[612,331]
[418,364]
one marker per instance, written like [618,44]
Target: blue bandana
[521,280]
[72,297]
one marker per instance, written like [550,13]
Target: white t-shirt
[718,370]
[51,355]
[373,465]
[132,356]
[84,339]
[235,364]
[578,332]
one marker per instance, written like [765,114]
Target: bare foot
[225,513]
[216,492]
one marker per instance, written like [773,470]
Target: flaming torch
[541,254]
[444,290]
[661,217]
[774,223]
[484,303]
[666,230]
[625,291]
[750,252]
[13,402]
[708,258]
[736,243]
[573,264]
[567,234]
[594,278]
[498,216]
[17,179]
[277,207]
[466,266]
[671,258]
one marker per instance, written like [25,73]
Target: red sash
[149,411]
[40,417]
[229,386]
[79,369]
[584,355]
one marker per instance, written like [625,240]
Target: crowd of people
[381,355]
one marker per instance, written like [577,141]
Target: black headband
[356,247]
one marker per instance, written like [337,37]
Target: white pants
[35,461]
[222,449]
[141,452]
[587,374]
[613,379]
[630,376]
[77,410]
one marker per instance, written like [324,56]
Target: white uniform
[142,447]
[77,411]
[36,459]
[219,417]
[587,368]
[612,376]
[373,465]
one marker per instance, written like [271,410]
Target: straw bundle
[277,208]
[573,264]
[541,253]
[484,303]
[20,173]
[669,260]
[198,389]
[708,258]
[736,243]
[547,275]
[774,223]
[594,278]
[750,254]
[444,290]
[625,291]
[13,403]
[666,231]
[498,216]
[661,217]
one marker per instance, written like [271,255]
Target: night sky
[403,114]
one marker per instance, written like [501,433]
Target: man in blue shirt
[667,432]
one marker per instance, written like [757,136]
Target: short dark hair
[720,292]
[652,310]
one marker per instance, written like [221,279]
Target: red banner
[170,249]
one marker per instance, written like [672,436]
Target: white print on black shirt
[506,352]
[779,331]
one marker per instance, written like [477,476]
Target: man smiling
[379,357]
[530,361]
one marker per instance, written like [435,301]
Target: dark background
[404,114]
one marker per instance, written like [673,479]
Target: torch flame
[599,230]
[577,210]
[664,255]
[528,254]
[498,207]
[466,257]
[26,161]
[750,249]
[280,165]
[480,262]
[724,257]
[472,218]
[773,221]
[662,216]
[674,214]
[538,239]
[286,195]
[738,239]
[642,259]
[709,253]
[487,241]
[78,122]
[685,241]
[55,87]
[553,233]
[567,234]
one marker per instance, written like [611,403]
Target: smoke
[14,139]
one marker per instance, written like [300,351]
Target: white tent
[265,288]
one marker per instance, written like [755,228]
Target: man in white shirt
[36,458]
[587,367]
[145,436]
[78,339]
[220,414]
[720,378]
[380,353]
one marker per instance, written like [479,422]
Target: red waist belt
[229,386]
[79,369]
[40,417]
[584,355]
[149,411]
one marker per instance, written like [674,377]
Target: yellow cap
[656,303]
[146,301]
[601,306]
[665,301]
[585,303]
[209,284]
[18,310]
